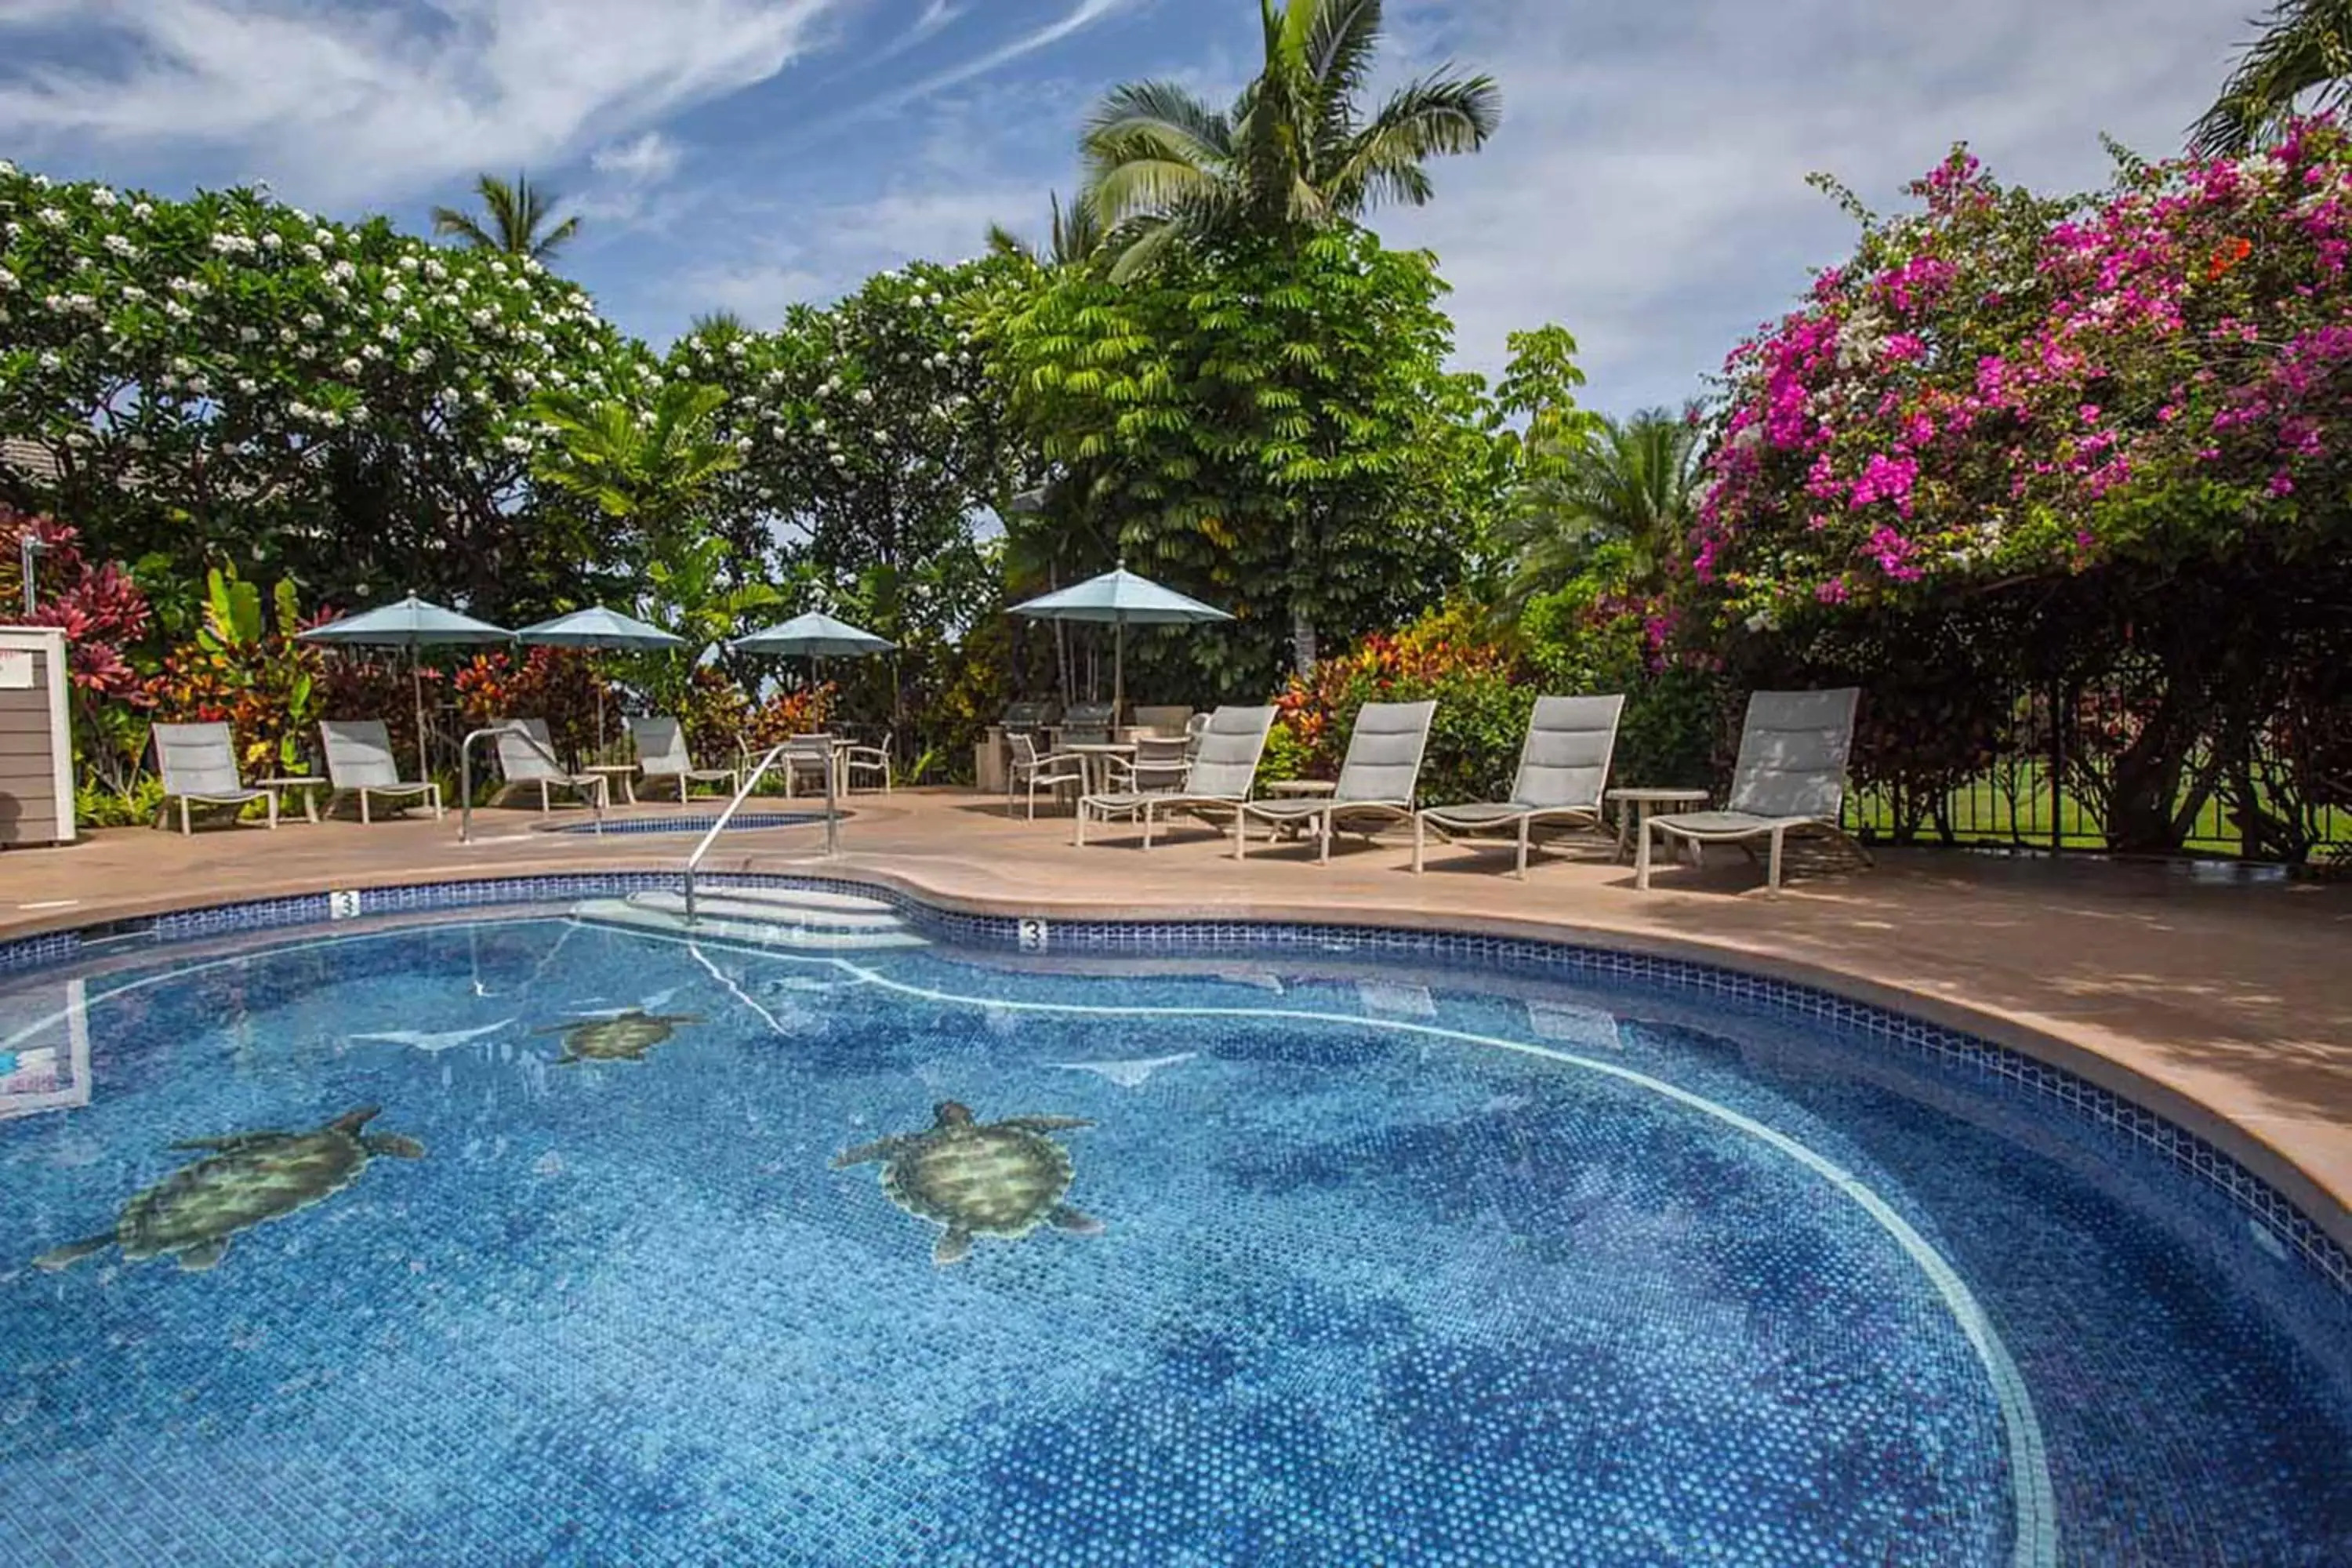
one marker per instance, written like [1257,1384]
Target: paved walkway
[2225,1003]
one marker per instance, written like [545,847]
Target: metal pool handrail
[819,747]
[466,776]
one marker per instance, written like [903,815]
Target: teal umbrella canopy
[411,623]
[1119,598]
[817,635]
[598,628]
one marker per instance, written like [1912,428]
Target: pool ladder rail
[466,775]
[824,751]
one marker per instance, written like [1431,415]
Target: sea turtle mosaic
[245,1178]
[623,1038]
[1000,1178]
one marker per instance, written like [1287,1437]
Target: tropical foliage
[2302,57]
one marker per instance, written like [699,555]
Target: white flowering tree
[230,378]
[874,445]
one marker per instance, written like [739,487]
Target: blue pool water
[1395,1268]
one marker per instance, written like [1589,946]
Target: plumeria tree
[228,377]
[2104,430]
[873,442]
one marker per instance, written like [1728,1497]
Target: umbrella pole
[1118,672]
[416,690]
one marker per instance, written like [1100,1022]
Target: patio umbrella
[412,623]
[817,635]
[1121,599]
[598,628]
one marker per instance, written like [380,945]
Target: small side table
[1297,787]
[1636,806]
[302,784]
[626,772]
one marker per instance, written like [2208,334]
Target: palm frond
[2304,45]
[1171,115]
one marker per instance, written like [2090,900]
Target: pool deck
[2223,1002]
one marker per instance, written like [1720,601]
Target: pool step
[765,917]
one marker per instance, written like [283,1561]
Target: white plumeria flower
[272,241]
[247,385]
[435,270]
[312,253]
[39,182]
[181,363]
[119,246]
[49,360]
[816,427]
[7,170]
[325,238]
[53,216]
[371,352]
[132,293]
[406,264]
[393,293]
[515,443]
[863,398]
[313,320]
[176,310]
[199,385]
[142,212]
[839,461]
[248,334]
[352,367]
[102,196]
[7,281]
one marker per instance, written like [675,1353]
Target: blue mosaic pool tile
[2096,1107]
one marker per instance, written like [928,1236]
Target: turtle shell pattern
[623,1037]
[993,1181]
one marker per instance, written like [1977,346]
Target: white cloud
[1647,186]
[1083,14]
[341,105]
[646,160]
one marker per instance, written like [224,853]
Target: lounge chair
[198,764]
[1223,769]
[1789,780]
[1377,780]
[1563,768]
[359,761]
[527,756]
[662,754]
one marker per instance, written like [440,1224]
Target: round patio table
[302,784]
[1636,806]
[625,774]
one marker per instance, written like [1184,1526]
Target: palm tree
[1073,238]
[1628,485]
[514,213]
[647,469]
[1294,150]
[2305,44]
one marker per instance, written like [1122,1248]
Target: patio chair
[198,764]
[1218,778]
[1377,780]
[1031,768]
[359,761]
[1563,768]
[806,757]
[871,760]
[1790,781]
[662,754]
[527,756]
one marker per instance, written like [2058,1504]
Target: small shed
[37,795]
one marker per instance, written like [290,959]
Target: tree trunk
[1302,640]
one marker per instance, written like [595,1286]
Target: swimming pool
[1356,1261]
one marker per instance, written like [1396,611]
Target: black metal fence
[2062,767]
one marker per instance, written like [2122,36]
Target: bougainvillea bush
[2109,434]
[2001,384]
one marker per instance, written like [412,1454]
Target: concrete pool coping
[2224,1006]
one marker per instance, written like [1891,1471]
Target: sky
[1647,189]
